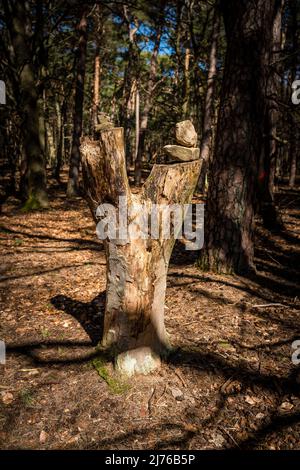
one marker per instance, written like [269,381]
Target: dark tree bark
[28,99]
[233,176]
[294,129]
[209,98]
[271,83]
[73,182]
[293,158]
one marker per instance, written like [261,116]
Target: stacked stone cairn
[186,150]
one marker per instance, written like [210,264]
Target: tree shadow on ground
[45,271]
[199,360]
[90,315]
[77,242]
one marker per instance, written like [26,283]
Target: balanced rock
[182,154]
[186,134]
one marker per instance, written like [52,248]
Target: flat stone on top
[186,134]
[182,154]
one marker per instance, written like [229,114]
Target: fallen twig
[150,400]
[268,305]
[229,435]
[163,393]
[179,375]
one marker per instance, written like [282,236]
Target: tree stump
[136,268]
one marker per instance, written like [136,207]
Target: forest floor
[230,382]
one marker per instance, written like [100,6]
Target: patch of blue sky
[148,41]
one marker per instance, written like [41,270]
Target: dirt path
[229,384]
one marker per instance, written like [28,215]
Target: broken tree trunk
[136,266]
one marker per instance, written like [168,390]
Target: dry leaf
[251,400]
[7,398]
[43,437]
[286,406]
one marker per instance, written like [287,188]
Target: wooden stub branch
[136,268]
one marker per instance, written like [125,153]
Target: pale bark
[96,99]
[97,67]
[61,117]
[137,121]
[136,268]
[187,83]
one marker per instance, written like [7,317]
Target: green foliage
[27,398]
[45,333]
[33,203]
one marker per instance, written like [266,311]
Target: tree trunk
[147,108]
[268,210]
[293,163]
[293,128]
[136,268]
[96,99]
[137,120]
[178,33]
[73,182]
[233,175]
[129,81]
[209,99]
[187,83]
[61,115]
[19,27]
[97,67]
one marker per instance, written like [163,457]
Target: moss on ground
[116,385]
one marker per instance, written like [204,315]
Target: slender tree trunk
[147,108]
[268,210]
[293,161]
[96,99]
[50,144]
[97,67]
[137,120]
[293,128]
[136,267]
[206,140]
[34,182]
[233,176]
[179,7]
[187,84]
[129,82]
[73,182]
[61,116]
